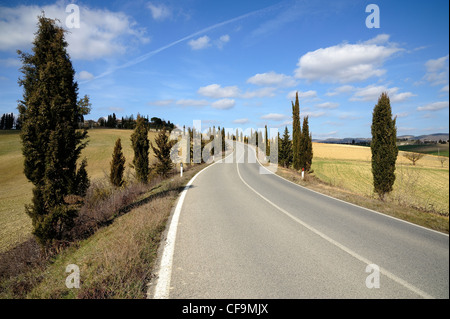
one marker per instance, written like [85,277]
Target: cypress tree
[140,143]
[117,166]
[3,122]
[162,152]
[383,146]
[306,146]
[285,149]
[296,134]
[266,139]
[82,179]
[51,143]
[224,145]
[309,156]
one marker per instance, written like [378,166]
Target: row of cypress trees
[141,146]
[7,122]
[52,142]
[297,152]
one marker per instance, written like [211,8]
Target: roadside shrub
[102,203]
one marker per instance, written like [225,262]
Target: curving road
[242,234]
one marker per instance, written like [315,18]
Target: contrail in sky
[152,53]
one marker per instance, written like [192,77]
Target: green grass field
[433,149]
[15,190]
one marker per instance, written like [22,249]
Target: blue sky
[238,64]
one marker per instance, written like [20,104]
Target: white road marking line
[342,247]
[162,289]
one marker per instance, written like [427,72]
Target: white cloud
[345,63]
[436,106]
[205,42]
[264,92]
[327,105]
[302,95]
[307,94]
[102,33]
[313,114]
[436,65]
[400,97]
[199,43]
[159,11]
[444,89]
[85,75]
[372,93]
[241,121]
[369,93]
[189,102]
[274,117]
[341,89]
[379,39]
[272,79]
[216,91]
[222,40]
[223,104]
[437,70]
[225,38]
[403,114]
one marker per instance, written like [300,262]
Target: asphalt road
[242,234]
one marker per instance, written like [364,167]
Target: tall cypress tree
[162,152]
[266,140]
[141,144]
[51,143]
[117,166]
[306,153]
[285,149]
[224,145]
[296,134]
[383,146]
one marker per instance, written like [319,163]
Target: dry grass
[363,154]
[424,186]
[114,263]
[117,260]
[16,191]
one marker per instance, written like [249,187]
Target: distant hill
[430,137]
[361,140]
